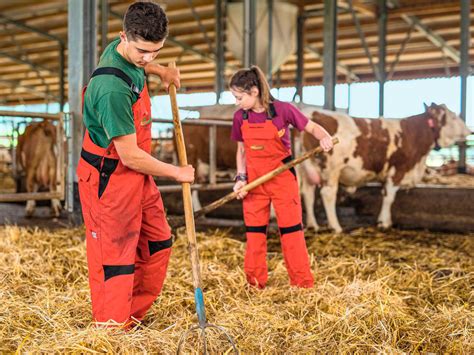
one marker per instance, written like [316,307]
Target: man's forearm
[153,68]
[144,163]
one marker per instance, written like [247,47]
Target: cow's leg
[55,207]
[55,203]
[308,190]
[329,195]
[389,192]
[196,203]
[31,186]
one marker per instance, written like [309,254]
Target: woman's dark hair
[245,79]
[146,21]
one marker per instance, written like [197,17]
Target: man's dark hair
[146,21]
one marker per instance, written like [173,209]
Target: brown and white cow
[391,151]
[36,156]
[197,149]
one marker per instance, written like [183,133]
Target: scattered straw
[458,180]
[375,292]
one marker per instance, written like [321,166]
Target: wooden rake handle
[187,201]
[257,182]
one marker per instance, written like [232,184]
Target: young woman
[260,127]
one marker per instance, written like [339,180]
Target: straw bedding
[458,180]
[394,291]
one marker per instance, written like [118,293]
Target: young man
[127,235]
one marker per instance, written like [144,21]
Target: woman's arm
[241,177]
[320,134]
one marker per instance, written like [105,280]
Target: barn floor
[14,214]
[393,291]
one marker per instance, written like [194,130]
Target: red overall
[264,152]
[127,235]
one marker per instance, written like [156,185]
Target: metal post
[81,62]
[250,56]
[270,42]
[104,24]
[464,71]
[212,154]
[330,55]
[300,56]
[62,59]
[382,24]
[219,18]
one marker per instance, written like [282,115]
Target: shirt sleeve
[236,133]
[295,117]
[115,114]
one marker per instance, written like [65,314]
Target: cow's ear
[426,106]
[433,105]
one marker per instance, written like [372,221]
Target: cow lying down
[390,151]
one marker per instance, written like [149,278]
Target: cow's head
[448,126]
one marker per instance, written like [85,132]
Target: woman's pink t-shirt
[286,114]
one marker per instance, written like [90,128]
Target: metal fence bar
[49,116]
[196,122]
[212,155]
[25,196]
[199,187]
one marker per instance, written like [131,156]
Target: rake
[191,236]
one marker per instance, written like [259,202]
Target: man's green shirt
[108,100]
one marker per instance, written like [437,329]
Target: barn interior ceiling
[423,40]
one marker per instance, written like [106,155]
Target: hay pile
[458,180]
[375,292]
[7,183]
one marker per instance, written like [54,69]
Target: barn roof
[31,33]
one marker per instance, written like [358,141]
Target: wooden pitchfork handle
[257,182]
[188,207]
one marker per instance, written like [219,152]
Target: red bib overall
[264,152]
[127,235]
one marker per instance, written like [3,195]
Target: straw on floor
[394,291]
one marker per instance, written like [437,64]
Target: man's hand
[238,185]
[326,143]
[166,74]
[185,174]
[170,75]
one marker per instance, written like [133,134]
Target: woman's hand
[326,143]
[238,185]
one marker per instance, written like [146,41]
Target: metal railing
[212,124]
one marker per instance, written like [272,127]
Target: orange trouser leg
[289,216]
[153,252]
[111,260]
[112,232]
[256,215]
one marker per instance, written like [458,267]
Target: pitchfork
[191,235]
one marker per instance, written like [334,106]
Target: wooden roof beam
[436,39]
[15,88]
[359,6]
[35,67]
[343,69]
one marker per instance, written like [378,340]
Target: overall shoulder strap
[120,74]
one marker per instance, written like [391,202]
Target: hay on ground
[374,291]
